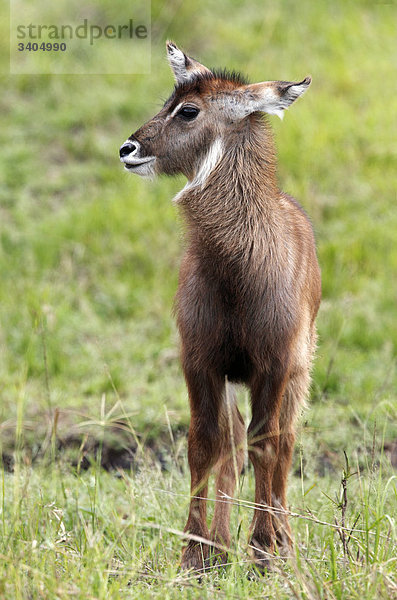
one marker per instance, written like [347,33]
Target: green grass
[94,535]
[88,269]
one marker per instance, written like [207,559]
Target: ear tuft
[184,67]
[271,97]
[177,60]
[289,92]
[307,81]
[173,51]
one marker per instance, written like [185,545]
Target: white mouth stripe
[137,161]
[144,169]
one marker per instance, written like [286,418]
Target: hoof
[262,557]
[284,539]
[284,551]
[195,557]
[218,556]
[284,543]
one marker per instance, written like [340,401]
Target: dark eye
[188,112]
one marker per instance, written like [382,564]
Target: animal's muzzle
[128,148]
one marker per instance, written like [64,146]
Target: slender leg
[279,494]
[293,402]
[228,469]
[205,395]
[263,443]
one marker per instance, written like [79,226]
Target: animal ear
[272,97]
[183,67]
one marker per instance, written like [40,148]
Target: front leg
[205,396]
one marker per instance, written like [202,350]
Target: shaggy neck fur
[231,209]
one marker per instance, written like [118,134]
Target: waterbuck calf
[248,294]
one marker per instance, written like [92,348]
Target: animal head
[202,116]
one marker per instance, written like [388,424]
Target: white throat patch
[209,163]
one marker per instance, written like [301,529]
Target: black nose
[127,149]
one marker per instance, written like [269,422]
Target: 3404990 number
[43,47]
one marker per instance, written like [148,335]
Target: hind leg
[293,400]
[293,403]
[227,470]
[267,391]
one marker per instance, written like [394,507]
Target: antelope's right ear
[183,67]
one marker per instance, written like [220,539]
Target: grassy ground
[88,262]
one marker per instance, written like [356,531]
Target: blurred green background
[89,254]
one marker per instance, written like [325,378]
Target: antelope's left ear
[184,67]
[273,97]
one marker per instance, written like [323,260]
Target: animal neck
[229,204]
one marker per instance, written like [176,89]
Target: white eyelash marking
[174,111]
